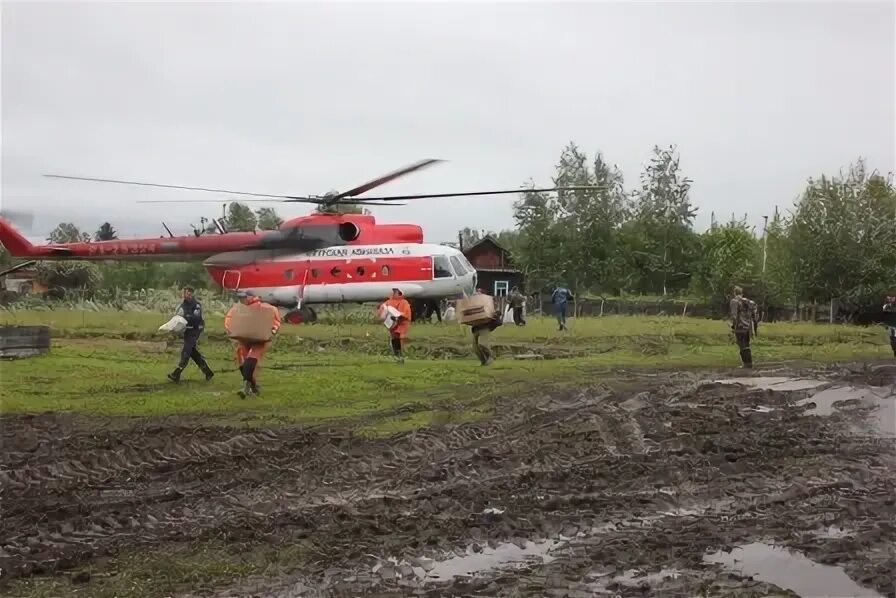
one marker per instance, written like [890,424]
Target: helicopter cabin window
[315,272]
[385,270]
[441,267]
[289,274]
[458,266]
[336,271]
[360,270]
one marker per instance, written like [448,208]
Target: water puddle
[882,400]
[790,571]
[779,383]
[635,577]
[832,532]
[491,558]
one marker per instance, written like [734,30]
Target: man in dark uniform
[744,323]
[890,311]
[191,311]
[481,334]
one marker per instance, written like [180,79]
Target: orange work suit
[400,329]
[254,350]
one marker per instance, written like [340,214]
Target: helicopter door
[300,295]
[231,280]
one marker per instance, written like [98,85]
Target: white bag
[390,315]
[175,324]
[449,314]
[508,316]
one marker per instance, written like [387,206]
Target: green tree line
[837,239]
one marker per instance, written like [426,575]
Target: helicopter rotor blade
[79,178]
[292,200]
[391,198]
[385,179]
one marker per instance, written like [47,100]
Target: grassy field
[114,363]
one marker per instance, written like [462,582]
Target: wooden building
[22,281]
[495,271]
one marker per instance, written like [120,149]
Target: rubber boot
[209,374]
[746,355]
[175,375]
[246,390]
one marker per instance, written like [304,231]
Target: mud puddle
[778,383]
[637,481]
[790,570]
[480,559]
[880,400]
[827,398]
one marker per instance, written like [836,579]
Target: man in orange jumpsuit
[399,332]
[248,355]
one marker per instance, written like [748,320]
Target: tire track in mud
[541,467]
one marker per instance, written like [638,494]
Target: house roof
[483,240]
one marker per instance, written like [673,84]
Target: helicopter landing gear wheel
[303,315]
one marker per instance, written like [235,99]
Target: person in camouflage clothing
[890,314]
[744,323]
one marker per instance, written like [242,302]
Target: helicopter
[325,257]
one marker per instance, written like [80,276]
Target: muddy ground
[650,484]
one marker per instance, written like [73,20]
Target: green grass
[162,572]
[113,363]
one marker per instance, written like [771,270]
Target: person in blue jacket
[560,298]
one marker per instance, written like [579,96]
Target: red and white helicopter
[320,258]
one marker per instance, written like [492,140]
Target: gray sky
[303,98]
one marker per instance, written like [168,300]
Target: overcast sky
[300,98]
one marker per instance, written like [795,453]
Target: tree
[268,219]
[105,233]
[66,232]
[661,230]
[590,218]
[469,237]
[728,257]
[540,250]
[841,241]
[240,218]
[68,275]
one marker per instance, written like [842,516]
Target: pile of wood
[24,341]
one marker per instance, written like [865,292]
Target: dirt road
[636,487]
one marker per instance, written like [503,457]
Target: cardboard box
[251,324]
[475,310]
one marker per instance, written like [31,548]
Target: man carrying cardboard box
[480,313]
[251,324]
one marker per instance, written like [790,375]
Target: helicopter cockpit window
[289,274]
[441,267]
[458,266]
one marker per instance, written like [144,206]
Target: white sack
[175,324]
